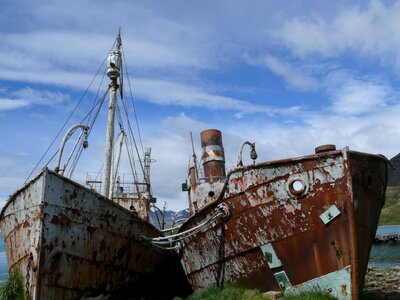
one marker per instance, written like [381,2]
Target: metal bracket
[270,254]
[283,280]
[331,213]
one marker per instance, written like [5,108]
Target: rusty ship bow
[290,225]
[70,242]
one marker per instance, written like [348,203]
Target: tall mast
[113,72]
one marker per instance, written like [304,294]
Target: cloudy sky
[288,75]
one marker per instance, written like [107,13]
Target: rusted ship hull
[297,224]
[70,242]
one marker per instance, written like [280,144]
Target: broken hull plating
[81,244]
[280,236]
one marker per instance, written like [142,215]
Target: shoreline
[383,283]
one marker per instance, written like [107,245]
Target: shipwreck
[288,225]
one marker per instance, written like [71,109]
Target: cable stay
[65,123]
[172,241]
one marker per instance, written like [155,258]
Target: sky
[287,75]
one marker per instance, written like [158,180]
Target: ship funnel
[213,155]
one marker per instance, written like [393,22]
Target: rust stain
[61,219]
[344,289]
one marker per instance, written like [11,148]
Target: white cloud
[357,97]
[9,104]
[28,96]
[42,97]
[367,30]
[173,93]
[13,169]
[348,93]
[295,77]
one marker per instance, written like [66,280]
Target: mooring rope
[172,241]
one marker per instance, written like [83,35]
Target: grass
[390,214]
[13,288]
[231,292]
[235,292]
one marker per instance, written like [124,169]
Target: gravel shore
[383,283]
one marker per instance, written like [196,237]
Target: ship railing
[210,179]
[123,187]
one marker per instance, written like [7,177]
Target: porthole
[297,187]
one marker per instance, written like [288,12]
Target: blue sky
[288,75]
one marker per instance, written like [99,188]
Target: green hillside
[390,214]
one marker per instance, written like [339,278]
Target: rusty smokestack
[213,155]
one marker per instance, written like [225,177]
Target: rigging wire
[97,94]
[130,151]
[133,167]
[91,127]
[221,211]
[133,103]
[65,123]
[100,104]
[79,142]
[131,135]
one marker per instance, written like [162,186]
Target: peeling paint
[337,284]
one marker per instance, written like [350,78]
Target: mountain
[390,214]
[171,218]
[394,175]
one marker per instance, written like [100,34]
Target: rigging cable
[97,94]
[131,135]
[100,105]
[129,149]
[65,123]
[78,142]
[133,103]
[91,125]
[221,211]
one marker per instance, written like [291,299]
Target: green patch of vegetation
[230,291]
[235,292]
[390,214]
[13,288]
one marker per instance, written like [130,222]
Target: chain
[28,269]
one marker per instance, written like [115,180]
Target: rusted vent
[325,148]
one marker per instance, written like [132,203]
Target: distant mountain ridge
[394,175]
[171,218]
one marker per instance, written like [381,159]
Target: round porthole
[297,187]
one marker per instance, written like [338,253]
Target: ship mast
[113,72]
